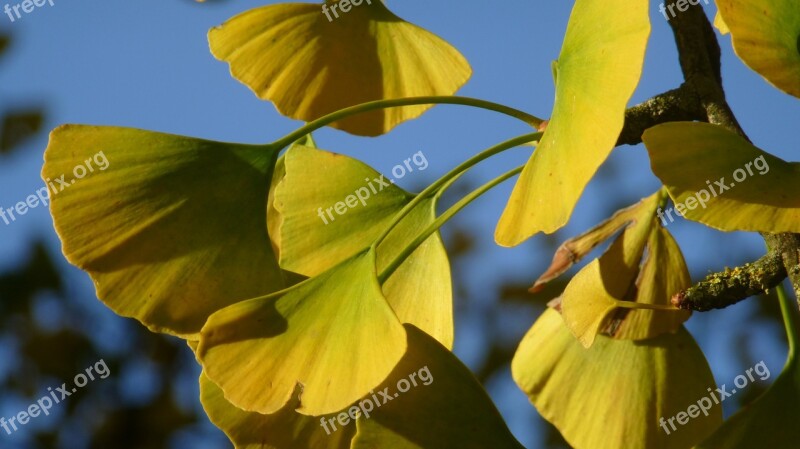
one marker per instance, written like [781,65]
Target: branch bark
[720,290]
[702,98]
[672,106]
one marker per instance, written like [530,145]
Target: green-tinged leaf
[421,290]
[170,228]
[334,334]
[285,429]
[444,407]
[760,190]
[273,216]
[313,236]
[330,207]
[766,36]
[771,420]
[614,394]
[598,69]
[292,55]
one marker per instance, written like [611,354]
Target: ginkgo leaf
[171,230]
[334,334]
[292,55]
[610,293]
[720,24]
[426,416]
[313,236]
[771,420]
[598,69]
[663,273]
[719,179]
[285,429]
[273,216]
[766,36]
[615,394]
[330,207]
[587,303]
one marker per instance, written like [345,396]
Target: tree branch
[787,246]
[672,106]
[699,55]
[720,290]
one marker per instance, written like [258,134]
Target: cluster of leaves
[293,321]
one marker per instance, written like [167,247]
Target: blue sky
[146,64]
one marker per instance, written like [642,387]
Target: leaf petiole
[449,176]
[399,102]
[790,320]
[441,220]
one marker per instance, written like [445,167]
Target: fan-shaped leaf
[614,394]
[334,334]
[719,179]
[313,236]
[771,420]
[285,429]
[427,416]
[604,295]
[170,228]
[292,55]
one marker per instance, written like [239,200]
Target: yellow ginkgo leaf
[612,294]
[718,178]
[766,36]
[418,410]
[587,303]
[618,393]
[334,334]
[159,228]
[309,66]
[720,24]
[598,69]
[285,429]
[341,213]
[662,274]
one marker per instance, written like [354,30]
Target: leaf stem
[640,306]
[441,220]
[399,102]
[790,320]
[445,180]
